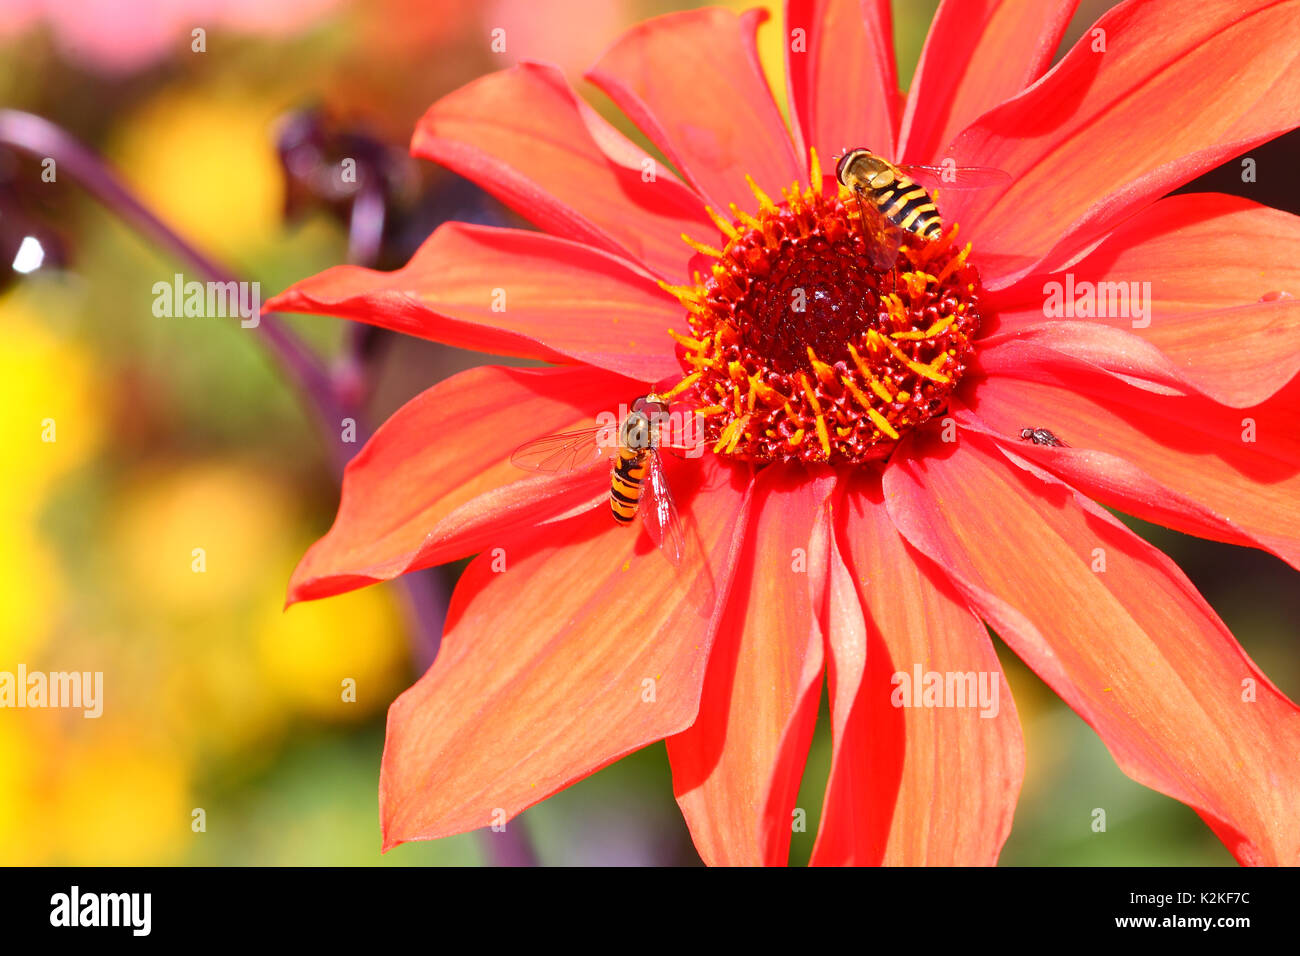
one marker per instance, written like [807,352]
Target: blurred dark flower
[27,243]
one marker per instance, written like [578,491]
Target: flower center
[802,347]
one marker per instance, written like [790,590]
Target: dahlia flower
[868,500]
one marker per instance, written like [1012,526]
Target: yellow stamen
[701,247]
[822,434]
[732,428]
[693,345]
[925,371]
[955,263]
[764,200]
[881,422]
[681,386]
[736,436]
[876,386]
[726,228]
[686,295]
[764,391]
[824,371]
[918,334]
[856,392]
[749,221]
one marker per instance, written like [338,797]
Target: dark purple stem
[365,241]
[425,590]
[509,847]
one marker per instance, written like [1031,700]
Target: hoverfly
[634,452]
[891,204]
[1041,436]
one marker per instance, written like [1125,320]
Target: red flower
[839,528]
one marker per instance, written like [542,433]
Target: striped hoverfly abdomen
[637,483]
[892,204]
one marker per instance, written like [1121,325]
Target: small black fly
[1041,436]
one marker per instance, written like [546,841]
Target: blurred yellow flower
[51,425]
[31,590]
[216,701]
[52,421]
[335,660]
[120,803]
[198,537]
[23,841]
[206,162]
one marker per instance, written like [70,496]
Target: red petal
[691,81]
[508,292]
[1182,86]
[910,785]
[434,483]
[587,647]
[1212,263]
[1178,461]
[1133,648]
[527,138]
[763,685]
[843,84]
[1136,360]
[978,54]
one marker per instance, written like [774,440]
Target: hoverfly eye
[842,166]
[848,159]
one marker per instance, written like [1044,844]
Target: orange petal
[736,772]
[526,137]
[1115,628]
[1223,279]
[586,647]
[911,785]
[977,54]
[1180,461]
[842,76]
[1132,359]
[435,483]
[692,82]
[508,292]
[1181,86]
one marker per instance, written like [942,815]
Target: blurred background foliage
[181,433]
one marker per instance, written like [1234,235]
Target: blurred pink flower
[114,37]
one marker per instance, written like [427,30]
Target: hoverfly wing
[660,514]
[957,177]
[564,451]
[884,239]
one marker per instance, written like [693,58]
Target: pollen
[797,346]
